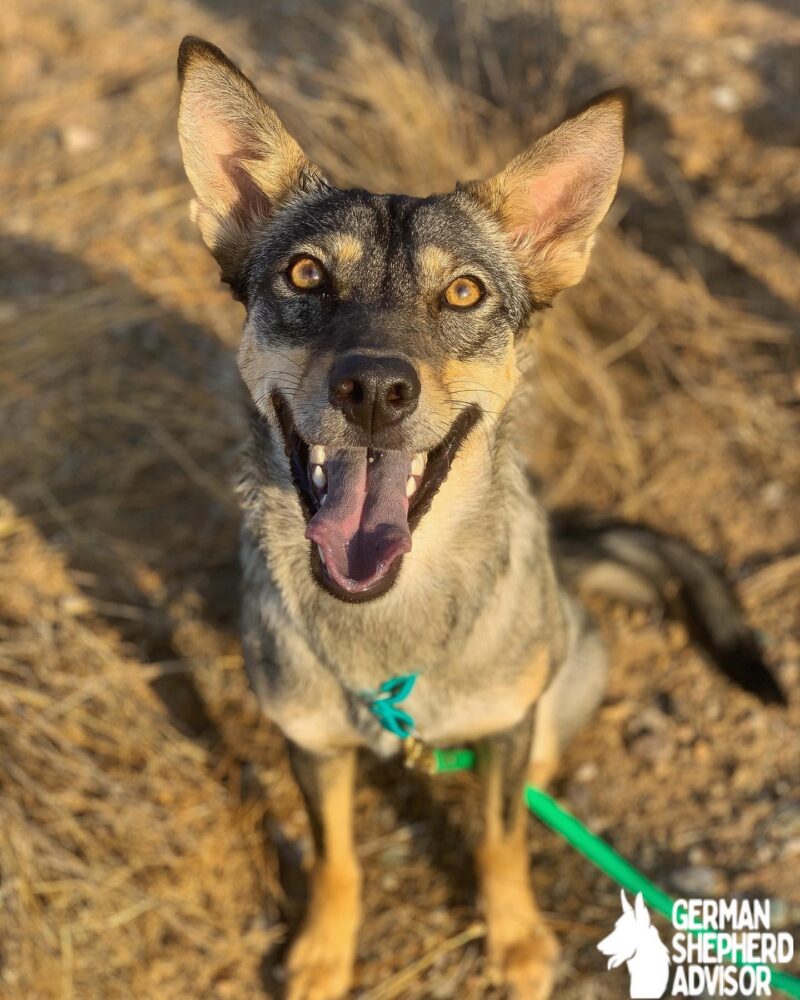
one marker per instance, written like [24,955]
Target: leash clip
[418,756]
[385,706]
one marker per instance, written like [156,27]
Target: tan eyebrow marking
[435,265]
[346,248]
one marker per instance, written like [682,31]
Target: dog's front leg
[522,950]
[321,959]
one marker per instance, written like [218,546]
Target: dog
[389,526]
[636,941]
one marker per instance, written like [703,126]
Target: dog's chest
[467,686]
[450,713]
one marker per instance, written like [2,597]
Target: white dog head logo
[634,940]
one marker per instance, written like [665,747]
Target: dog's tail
[642,566]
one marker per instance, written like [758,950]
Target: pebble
[774,495]
[79,138]
[697,881]
[653,747]
[791,849]
[726,99]
[389,883]
[697,855]
[586,772]
[782,825]
[395,854]
[743,48]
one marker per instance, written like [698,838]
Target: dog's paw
[320,967]
[523,958]
[321,959]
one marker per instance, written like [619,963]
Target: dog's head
[381,330]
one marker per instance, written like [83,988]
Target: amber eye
[306,274]
[463,293]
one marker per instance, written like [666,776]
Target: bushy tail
[642,566]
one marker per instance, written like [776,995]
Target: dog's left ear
[551,199]
[240,160]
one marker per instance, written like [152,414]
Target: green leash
[385,707]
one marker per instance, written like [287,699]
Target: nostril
[348,389]
[397,394]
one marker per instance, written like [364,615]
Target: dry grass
[149,834]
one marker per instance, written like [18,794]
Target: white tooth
[318,475]
[411,486]
[418,465]
[317,455]
[321,555]
[323,498]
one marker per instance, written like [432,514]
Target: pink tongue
[363,525]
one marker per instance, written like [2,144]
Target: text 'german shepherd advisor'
[389,525]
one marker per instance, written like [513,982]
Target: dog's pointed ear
[551,199]
[626,906]
[240,160]
[642,913]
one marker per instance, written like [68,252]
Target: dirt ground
[151,842]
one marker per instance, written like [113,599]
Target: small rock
[697,855]
[726,99]
[783,824]
[774,495]
[653,747]
[79,138]
[697,64]
[395,854]
[697,881]
[742,48]
[783,915]
[586,772]
[791,849]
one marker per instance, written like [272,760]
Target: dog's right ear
[626,906]
[240,160]
[551,199]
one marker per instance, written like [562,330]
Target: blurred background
[151,841]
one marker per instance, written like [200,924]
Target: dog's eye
[463,293]
[306,273]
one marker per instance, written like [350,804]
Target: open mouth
[362,504]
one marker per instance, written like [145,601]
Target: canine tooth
[418,464]
[317,455]
[321,555]
[411,486]
[319,477]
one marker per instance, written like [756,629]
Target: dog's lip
[437,466]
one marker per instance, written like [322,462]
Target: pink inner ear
[214,143]
[223,148]
[547,199]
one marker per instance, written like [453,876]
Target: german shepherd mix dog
[389,525]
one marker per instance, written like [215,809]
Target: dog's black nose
[374,392]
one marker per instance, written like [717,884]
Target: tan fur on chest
[469,715]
